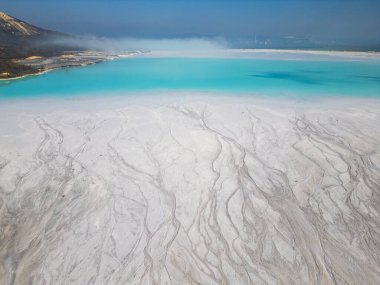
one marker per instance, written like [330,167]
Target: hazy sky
[318,19]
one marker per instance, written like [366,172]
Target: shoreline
[50,70]
[47,70]
[79,59]
[118,100]
[28,75]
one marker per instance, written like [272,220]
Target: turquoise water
[247,76]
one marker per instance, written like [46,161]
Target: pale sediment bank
[204,191]
[270,54]
[27,75]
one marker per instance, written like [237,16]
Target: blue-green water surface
[245,76]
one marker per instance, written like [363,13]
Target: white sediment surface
[272,54]
[203,191]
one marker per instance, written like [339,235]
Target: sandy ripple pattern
[191,193]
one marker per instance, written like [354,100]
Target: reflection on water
[288,76]
[376,78]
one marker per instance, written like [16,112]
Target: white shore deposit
[201,192]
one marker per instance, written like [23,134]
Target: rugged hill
[20,40]
[14,28]
[14,31]
[26,49]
